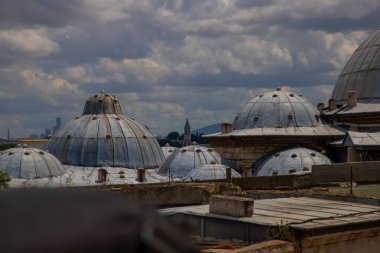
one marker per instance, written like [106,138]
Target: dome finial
[278,89]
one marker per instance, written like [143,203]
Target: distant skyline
[169,60]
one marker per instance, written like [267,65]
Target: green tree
[173,136]
[4,179]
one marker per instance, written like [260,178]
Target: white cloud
[27,42]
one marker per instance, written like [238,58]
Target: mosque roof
[103,136]
[168,150]
[290,161]
[183,160]
[277,109]
[361,73]
[30,163]
[210,172]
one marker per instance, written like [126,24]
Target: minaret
[187,134]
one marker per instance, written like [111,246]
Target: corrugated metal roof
[183,160]
[361,73]
[301,213]
[209,172]
[290,161]
[277,109]
[24,162]
[361,139]
[322,130]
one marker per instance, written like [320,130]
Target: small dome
[168,150]
[277,109]
[102,103]
[183,160]
[290,161]
[30,163]
[210,172]
[106,140]
[361,73]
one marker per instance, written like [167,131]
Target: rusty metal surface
[30,163]
[277,109]
[361,73]
[210,172]
[106,140]
[361,139]
[183,160]
[290,161]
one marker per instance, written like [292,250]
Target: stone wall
[362,172]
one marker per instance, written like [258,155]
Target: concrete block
[232,206]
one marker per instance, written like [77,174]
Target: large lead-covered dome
[277,109]
[103,136]
[361,73]
[186,159]
[290,161]
[28,163]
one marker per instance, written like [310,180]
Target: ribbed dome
[361,73]
[105,138]
[30,163]
[168,150]
[277,109]
[209,172]
[290,161]
[102,103]
[186,159]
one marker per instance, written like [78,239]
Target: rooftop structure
[290,161]
[361,73]
[272,121]
[168,150]
[183,160]
[30,163]
[103,136]
[277,109]
[210,172]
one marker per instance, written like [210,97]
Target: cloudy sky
[168,60]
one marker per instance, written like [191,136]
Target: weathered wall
[356,241]
[171,194]
[362,172]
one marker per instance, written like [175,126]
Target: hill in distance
[210,129]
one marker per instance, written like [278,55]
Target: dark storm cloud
[243,4]
[49,13]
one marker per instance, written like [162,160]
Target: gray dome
[101,139]
[290,161]
[183,160]
[277,109]
[168,150]
[102,103]
[30,163]
[361,73]
[209,172]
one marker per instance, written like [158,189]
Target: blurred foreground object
[76,221]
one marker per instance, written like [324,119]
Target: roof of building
[103,136]
[183,160]
[299,213]
[320,131]
[102,103]
[277,109]
[209,172]
[361,73]
[290,161]
[168,150]
[24,162]
[361,139]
